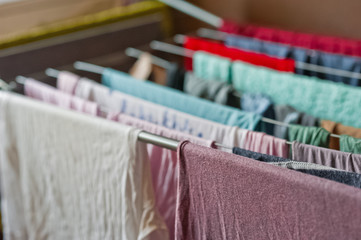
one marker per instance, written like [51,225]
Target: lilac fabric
[327,157]
[163,164]
[119,102]
[225,196]
[266,144]
[67,81]
[48,94]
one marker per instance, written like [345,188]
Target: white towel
[65,175]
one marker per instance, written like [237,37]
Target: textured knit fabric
[175,77]
[303,55]
[225,196]
[287,65]
[45,93]
[163,164]
[322,99]
[327,157]
[339,129]
[309,135]
[65,175]
[214,91]
[350,144]
[263,143]
[179,101]
[115,101]
[258,156]
[305,40]
[349,178]
[211,67]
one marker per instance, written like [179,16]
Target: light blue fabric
[324,59]
[179,101]
[323,99]
[210,67]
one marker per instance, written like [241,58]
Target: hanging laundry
[303,55]
[309,135]
[66,175]
[330,44]
[322,99]
[327,157]
[289,115]
[48,94]
[339,129]
[258,156]
[349,178]
[211,67]
[210,178]
[154,113]
[215,91]
[175,77]
[266,144]
[261,104]
[163,164]
[350,144]
[179,101]
[195,44]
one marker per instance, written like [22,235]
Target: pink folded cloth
[266,144]
[48,94]
[225,196]
[163,165]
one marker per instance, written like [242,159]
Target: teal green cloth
[211,67]
[180,101]
[350,144]
[323,99]
[309,135]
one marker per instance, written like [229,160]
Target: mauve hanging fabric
[339,129]
[119,102]
[177,100]
[65,175]
[48,94]
[163,165]
[310,41]
[303,55]
[350,144]
[327,157]
[266,144]
[225,196]
[218,92]
[195,44]
[309,135]
[319,98]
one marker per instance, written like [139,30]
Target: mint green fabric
[319,98]
[350,144]
[211,67]
[309,135]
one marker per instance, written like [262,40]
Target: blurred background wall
[335,17]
